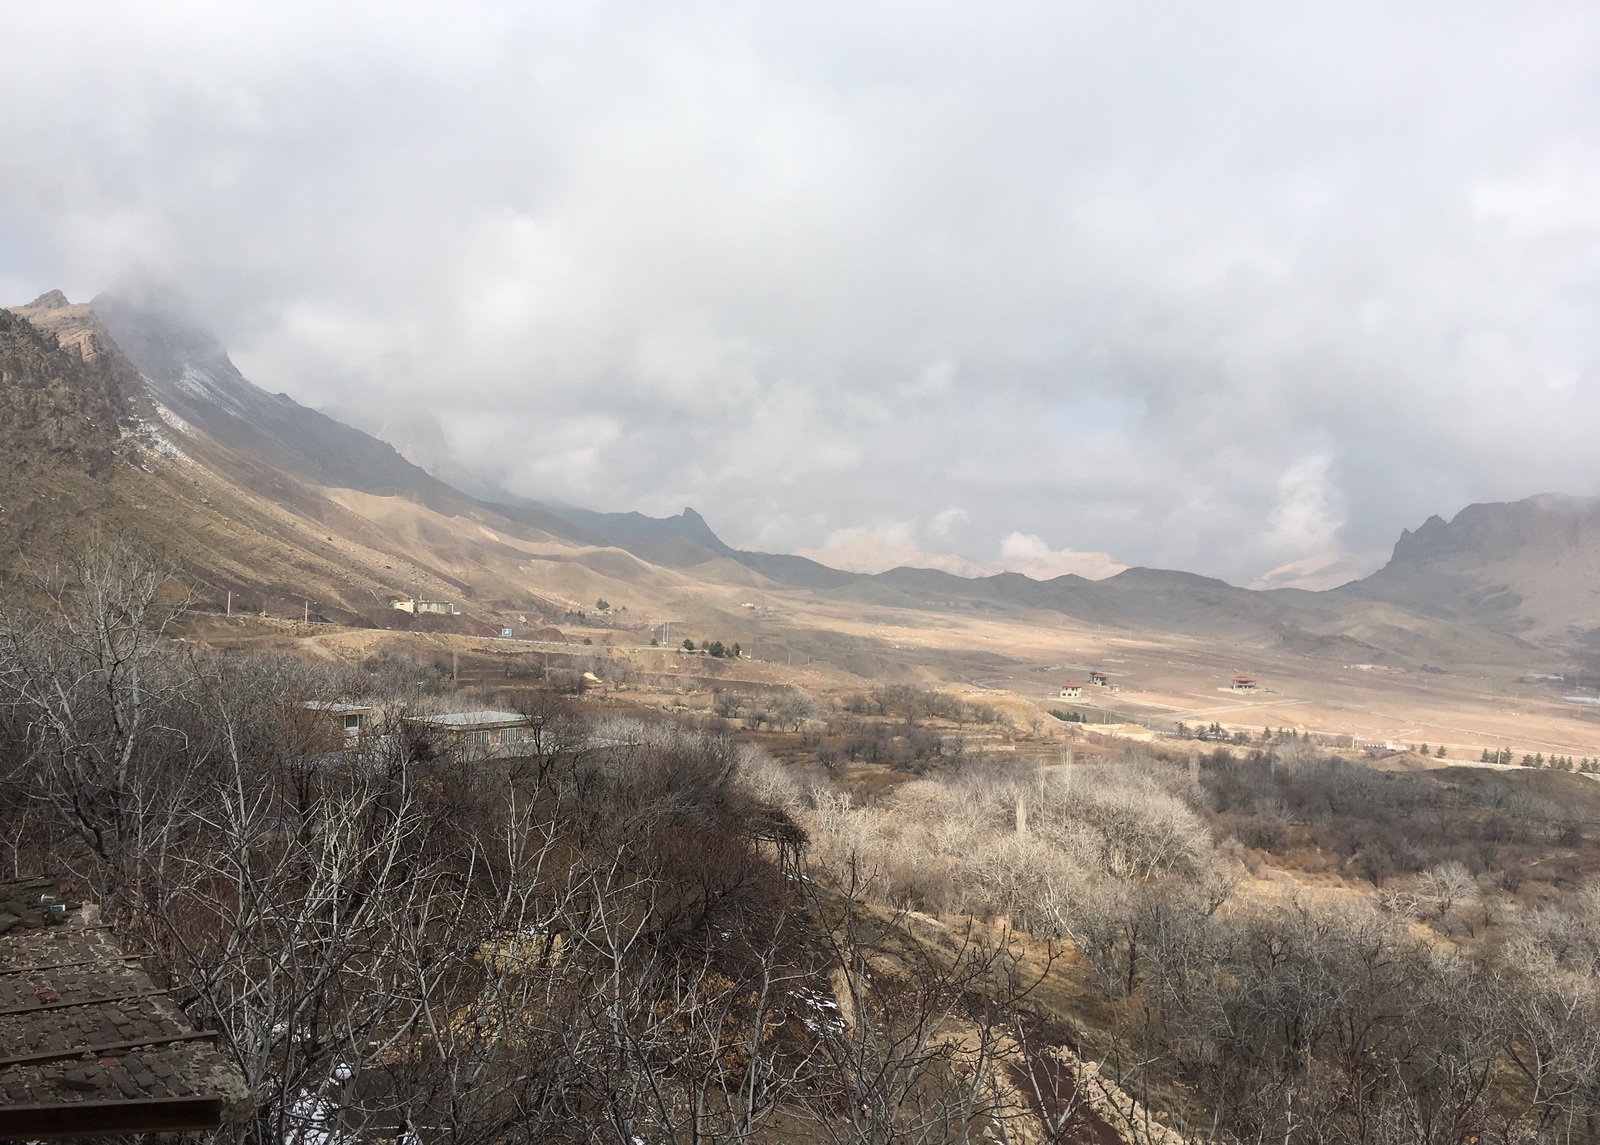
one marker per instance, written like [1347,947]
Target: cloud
[883,547]
[877,549]
[1031,556]
[1305,518]
[1219,287]
[945,520]
[1316,572]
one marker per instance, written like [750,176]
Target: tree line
[607,938]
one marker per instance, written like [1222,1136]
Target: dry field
[1015,660]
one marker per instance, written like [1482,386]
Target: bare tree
[94,701]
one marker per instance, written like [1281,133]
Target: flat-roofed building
[495,730]
[352,722]
[421,607]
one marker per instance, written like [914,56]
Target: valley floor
[1021,662]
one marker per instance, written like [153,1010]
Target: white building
[494,730]
[418,607]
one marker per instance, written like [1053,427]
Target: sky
[1239,288]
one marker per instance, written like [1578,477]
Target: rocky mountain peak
[49,300]
[57,407]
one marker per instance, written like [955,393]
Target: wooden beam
[39,1056]
[82,1118]
[113,961]
[70,1003]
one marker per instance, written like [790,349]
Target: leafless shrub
[1445,885]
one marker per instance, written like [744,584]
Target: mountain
[681,541]
[1529,568]
[61,408]
[129,410]
[283,507]
[189,372]
[64,413]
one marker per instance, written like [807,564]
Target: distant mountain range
[125,413]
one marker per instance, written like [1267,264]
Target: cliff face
[63,399]
[1530,567]
[68,436]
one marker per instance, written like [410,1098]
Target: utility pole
[230,602]
[305,616]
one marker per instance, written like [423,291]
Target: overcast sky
[1227,287]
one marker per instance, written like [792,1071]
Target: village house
[356,726]
[350,722]
[419,607]
[496,731]
[1071,691]
[1244,683]
[1099,680]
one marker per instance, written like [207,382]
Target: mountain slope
[91,447]
[1530,568]
[190,373]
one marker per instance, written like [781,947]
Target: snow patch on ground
[172,419]
[150,437]
[824,1016]
[201,383]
